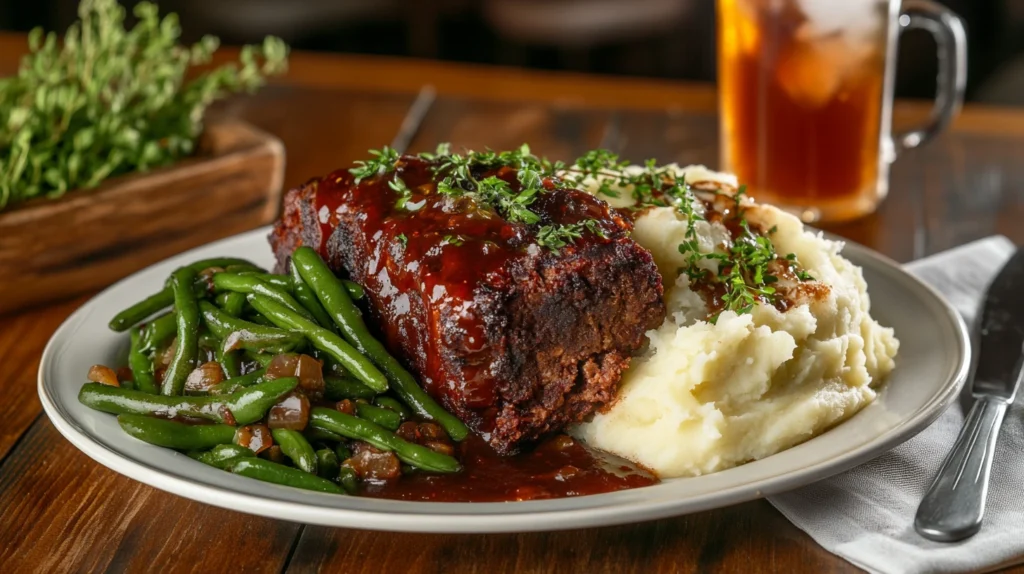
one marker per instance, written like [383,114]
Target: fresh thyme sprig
[555,237]
[459,175]
[743,266]
[382,162]
[108,100]
[397,184]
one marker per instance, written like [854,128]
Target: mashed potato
[708,396]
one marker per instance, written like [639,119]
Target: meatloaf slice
[516,339]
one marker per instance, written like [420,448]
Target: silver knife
[954,505]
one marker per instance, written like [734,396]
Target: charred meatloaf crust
[516,339]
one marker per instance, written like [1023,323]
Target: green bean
[208,340]
[338,388]
[356,428]
[263,359]
[187,349]
[320,435]
[304,294]
[327,465]
[165,297]
[258,319]
[346,315]
[230,363]
[280,474]
[235,383]
[242,407]
[295,447]
[331,368]
[222,455]
[141,364]
[327,341]
[251,285]
[348,480]
[279,281]
[252,403]
[239,334]
[231,303]
[354,289]
[343,451]
[159,331]
[172,434]
[386,418]
[139,311]
[244,267]
[390,403]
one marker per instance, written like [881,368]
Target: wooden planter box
[90,238]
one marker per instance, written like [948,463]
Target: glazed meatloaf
[516,331]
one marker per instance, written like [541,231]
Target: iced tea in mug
[806,97]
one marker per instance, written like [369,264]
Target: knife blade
[1002,333]
[954,506]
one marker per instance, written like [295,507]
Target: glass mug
[806,91]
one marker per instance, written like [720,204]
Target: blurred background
[651,38]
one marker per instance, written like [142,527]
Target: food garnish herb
[108,101]
[555,237]
[743,267]
[383,161]
[459,176]
[404,193]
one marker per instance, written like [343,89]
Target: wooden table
[60,511]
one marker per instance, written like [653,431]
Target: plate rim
[522,519]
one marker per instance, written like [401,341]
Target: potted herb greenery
[106,164]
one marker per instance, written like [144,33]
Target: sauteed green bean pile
[272,377]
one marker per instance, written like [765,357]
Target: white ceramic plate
[931,367]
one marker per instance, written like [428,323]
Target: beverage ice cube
[854,18]
[813,72]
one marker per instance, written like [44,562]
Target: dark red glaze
[516,339]
[413,265]
[556,468]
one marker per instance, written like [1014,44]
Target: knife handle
[954,505]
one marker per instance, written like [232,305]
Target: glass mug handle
[951,41]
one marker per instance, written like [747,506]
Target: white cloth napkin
[866,515]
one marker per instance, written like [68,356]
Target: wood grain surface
[60,511]
[90,238]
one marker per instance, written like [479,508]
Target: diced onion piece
[275,454]
[206,276]
[291,412]
[203,377]
[425,433]
[440,446]
[307,369]
[168,355]
[103,375]
[254,437]
[311,376]
[282,366]
[562,442]
[373,464]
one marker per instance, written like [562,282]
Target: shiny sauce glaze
[433,254]
[556,468]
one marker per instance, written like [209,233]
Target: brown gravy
[556,468]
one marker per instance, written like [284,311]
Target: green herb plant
[108,101]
